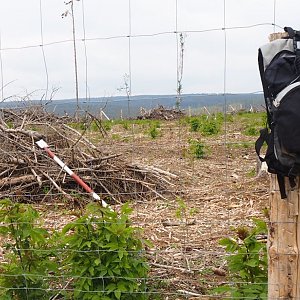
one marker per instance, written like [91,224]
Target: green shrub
[102,256]
[28,256]
[197,149]
[195,124]
[154,132]
[229,118]
[207,125]
[251,131]
[107,125]
[125,124]
[183,212]
[105,256]
[210,127]
[247,264]
[257,120]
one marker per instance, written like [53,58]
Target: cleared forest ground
[214,195]
[211,189]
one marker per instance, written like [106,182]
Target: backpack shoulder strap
[261,67]
[281,184]
[263,137]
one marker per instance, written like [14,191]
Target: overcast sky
[152,59]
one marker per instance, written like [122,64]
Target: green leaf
[230,244]
[111,287]
[252,263]
[110,273]
[68,227]
[38,234]
[117,294]
[260,226]
[222,289]
[126,210]
[86,244]
[244,274]
[117,271]
[4,230]
[102,273]
[121,286]
[97,261]
[107,236]
[86,286]
[112,246]
[91,270]
[97,297]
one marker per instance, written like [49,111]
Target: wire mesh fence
[123,94]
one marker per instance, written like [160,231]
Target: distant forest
[122,107]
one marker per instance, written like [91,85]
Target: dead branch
[28,169]
[34,134]
[173,268]
[8,181]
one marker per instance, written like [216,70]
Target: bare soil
[204,200]
[210,197]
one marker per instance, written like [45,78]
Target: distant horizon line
[157,96]
[186,98]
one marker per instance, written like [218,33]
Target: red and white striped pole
[43,145]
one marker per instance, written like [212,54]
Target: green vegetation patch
[198,149]
[100,255]
[247,263]
[206,124]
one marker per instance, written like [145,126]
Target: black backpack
[279,66]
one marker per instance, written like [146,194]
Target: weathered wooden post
[284,243]
[284,238]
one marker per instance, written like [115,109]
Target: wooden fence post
[284,243]
[284,236]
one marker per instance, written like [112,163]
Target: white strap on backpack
[280,95]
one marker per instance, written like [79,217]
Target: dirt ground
[207,198]
[210,197]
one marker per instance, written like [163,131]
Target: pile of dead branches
[161,113]
[27,173]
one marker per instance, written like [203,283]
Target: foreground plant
[28,258]
[104,256]
[100,256]
[207,124]
[197,149]
[247,264]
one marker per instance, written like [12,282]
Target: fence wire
[191,203]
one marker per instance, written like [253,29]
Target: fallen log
[9,181]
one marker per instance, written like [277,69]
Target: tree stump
[284,243]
